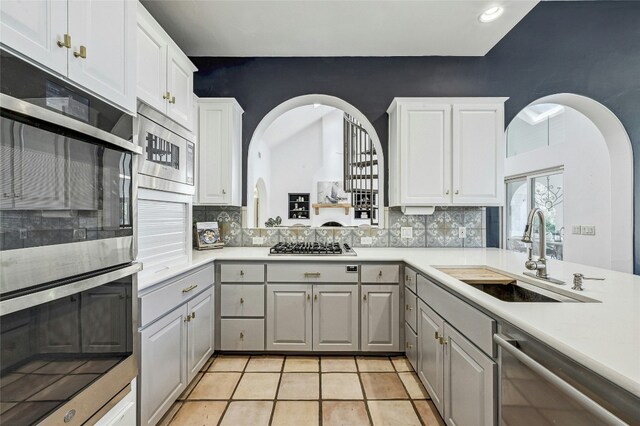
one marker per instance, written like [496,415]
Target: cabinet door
[104,319]
[430,354]
[58,326]
[478,154]
[289,317]
[425,152]
[151,62]
[180,87]
[335,318]
[469,382]
[411,346]
[380,318]
[411,309]
[163,365]
[199,332]
[214,146]
[34,28]
[106,29]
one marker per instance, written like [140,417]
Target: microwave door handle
[586,402]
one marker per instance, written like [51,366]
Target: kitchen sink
[510,288]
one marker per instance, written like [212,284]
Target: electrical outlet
[257,241]
[406,232]
[588,230]
[80,234]
[576,230]
[366,241]
[462,232]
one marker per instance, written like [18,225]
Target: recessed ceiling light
[491,14]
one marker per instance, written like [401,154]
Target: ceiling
[244,28]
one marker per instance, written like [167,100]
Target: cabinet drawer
[231,273]
[240,334]
[380,274]
[174,292]
[472,323]
[411,309]
[242,300]
[410,279]
[310,273]
[411,346]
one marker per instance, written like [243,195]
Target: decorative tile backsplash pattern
[437,230]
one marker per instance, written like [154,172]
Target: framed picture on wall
[331,193]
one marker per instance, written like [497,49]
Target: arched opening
[588,179]
[259,157]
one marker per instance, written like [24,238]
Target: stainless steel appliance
[314,249]
[168,158]
[67,183]
[69,352]
[540,386]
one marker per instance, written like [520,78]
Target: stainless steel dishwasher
[539,386]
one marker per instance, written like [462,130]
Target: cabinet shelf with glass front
[298,207]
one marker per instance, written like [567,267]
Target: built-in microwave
[67,179]
[168,153]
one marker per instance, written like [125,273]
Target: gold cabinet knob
[457,192]
[224,192]
[241,300]
[167,95]
[437,336]
[447,193]
[193,315]
[308,297]
[82,53]
[408,308]
[315,297]
[241,335]
[380,273]
[365,297]
[407,278]
[241,273]
[408,345]
[172,100]
[443,341]
[66,41]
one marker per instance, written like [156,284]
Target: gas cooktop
[317,249]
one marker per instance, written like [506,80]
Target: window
[546,192]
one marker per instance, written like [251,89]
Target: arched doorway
[619,200]
[257,144]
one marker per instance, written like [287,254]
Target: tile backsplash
[437,230]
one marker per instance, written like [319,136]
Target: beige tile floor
[304,390]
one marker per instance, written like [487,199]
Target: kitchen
[370,180]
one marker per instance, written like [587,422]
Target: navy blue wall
[587,48]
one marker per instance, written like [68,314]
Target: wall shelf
[344,206]
[298,207]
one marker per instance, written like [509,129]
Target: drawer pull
[380,273]
[407,278]
[364,297]
[315,297]
[437,336]
[409,308]
[188,289]
[187,318]
[241,273]
[241,335]
[241,300]
[308,297]
[443,341]
[312,274]
[193,315]
[408,345]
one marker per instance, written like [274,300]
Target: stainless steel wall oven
[68,283]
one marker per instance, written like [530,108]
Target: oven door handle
[25,108]
[43,296]
[586,402]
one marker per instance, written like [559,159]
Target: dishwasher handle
[590,405]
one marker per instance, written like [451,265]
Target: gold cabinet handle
[407,278]
[443,341]
[224,192]
[187,318]
[193,315]
[172,100]
[167,95]
[241,300]
[66,41]
[308,297]
[312,274]
[447,193]
[188,289]
[408,308]
[315,297]
[408,345]
[82,53]
[241,335]
[380,273]
[241,273]
[364,297]
[457,192]
[437,336]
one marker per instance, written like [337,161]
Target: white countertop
[604,337]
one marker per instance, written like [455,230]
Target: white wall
[582,150]
[260,169]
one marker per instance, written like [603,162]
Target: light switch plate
[406,232]
[588,230]
[576,230]
[366,241]
[257,241]
[462,232]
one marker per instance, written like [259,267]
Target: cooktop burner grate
[318,249]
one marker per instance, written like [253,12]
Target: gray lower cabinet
[162,368]
[199,332]
[380,318]
[289,317]
[411,346]
[242,334]
[335,317]
[319,317]
[459,378]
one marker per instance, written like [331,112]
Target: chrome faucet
[540,265]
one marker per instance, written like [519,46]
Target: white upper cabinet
[165,73]
[219,151]
[446,151]
[87,41]
[34,28]
[102,53]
